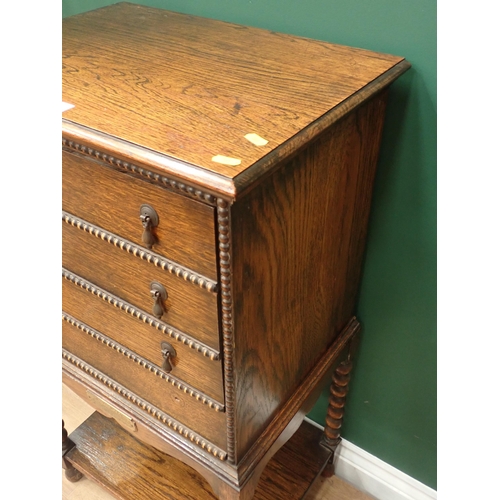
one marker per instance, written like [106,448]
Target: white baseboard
[374,477]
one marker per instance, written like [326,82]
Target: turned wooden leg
[70,472]
[338,391]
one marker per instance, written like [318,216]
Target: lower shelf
[132,470]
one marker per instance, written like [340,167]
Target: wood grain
[76,411]
[289,417]
[140,380]
[268,164]
[264,251]
[195,100]
[129,469]
[292,279]
[133,471]
[185,233]
[190,366]
[189,308]
[152,426]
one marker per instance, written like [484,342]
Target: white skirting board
[374,477]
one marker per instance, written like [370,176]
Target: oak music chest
[216,190]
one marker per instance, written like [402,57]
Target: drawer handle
[168,352]
[159,295]
[150,220]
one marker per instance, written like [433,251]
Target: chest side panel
[298,240]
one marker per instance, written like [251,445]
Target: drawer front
[143,334]
[124,368]
[112,200]
[188,307]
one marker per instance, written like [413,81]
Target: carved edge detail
[138,251]
[335,413]
[138,313]
[130,167]
[143,362]
[152,410]
[331,437]
[227,320]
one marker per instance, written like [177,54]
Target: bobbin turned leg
[70,472]
[338,391]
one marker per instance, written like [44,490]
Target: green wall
[391,408]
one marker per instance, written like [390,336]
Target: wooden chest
[216,190]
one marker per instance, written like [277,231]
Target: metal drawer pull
[159,295]
[168,352]
[150,220]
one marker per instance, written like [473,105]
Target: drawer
[188,307]
[194,363]
[112,199]
[122,366]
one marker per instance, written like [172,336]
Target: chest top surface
[192,89]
